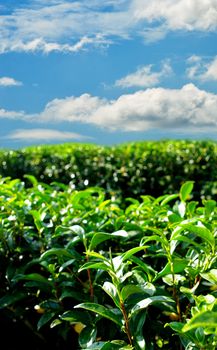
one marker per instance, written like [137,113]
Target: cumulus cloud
[6,81]
[202,70]
[71,109]
[43,135]
[68,26]
[178,15]
[186,109]
[145,76]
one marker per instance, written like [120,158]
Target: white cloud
[202,70]
[211,71]
[71,109]
[6,81]
[12,114]
[62,25]
[145,77]
[39,44]
[180,14]
[187,109]
[43,135]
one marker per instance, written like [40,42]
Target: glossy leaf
[200,231]
[111,290]
[210,276]
[186,190]
[143,304]
[206,319]
[45,318]
[102,311]
[178,265]
[101,237]
[87,336]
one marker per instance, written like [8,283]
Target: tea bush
[79,271]
[128,170]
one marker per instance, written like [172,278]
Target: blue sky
[107,71]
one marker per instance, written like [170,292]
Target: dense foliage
[130,170]
[79,271]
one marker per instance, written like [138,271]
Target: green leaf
[175,326]
[210,276]
[66,264]
[98,238]
[87,336]
[50,304]
[95,265]
[116,345]
[101,237]
[32,179]
[209,206]
[129,290]
[143,304]
[96,346]
[78,230]
[136,325]
[111,345]
[145,267]
[111,290]
[168,198]
[103,311]
[32,277]
[97,255]
[130,252]
[178,237]
[10,299]
[60,252]
[45,318]
[186,190]
[156,238]
[139,340]
[178,266]
[200,231]
[206,319]
[173,279]
[55,323]
[75,316]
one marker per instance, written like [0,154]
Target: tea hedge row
[80,272]
[129,169]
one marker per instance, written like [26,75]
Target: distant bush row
[138,168]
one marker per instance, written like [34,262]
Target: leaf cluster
[80,270]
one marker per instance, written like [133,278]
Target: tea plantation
[109,247]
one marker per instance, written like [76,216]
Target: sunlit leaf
[210,276]
[186,190]
[205,319]
[111,290]
[178,265]
[102,311]
[143,304]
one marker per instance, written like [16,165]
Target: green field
[109,247]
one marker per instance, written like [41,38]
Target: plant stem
[90,281]
[126,320]
[90,284]
[175,296]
